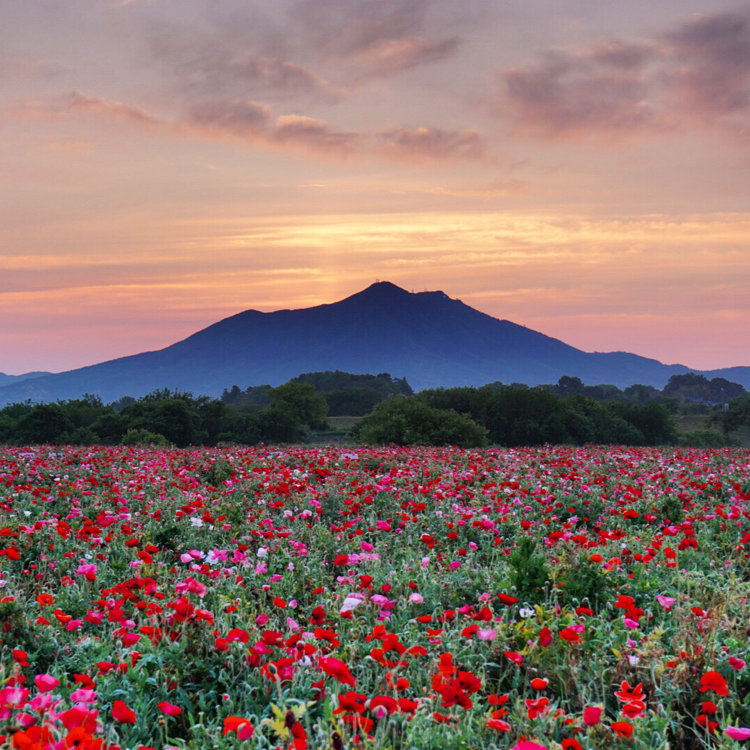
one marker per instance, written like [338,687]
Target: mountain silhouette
[426,337]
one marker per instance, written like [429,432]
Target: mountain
[427,337]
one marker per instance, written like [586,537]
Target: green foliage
[45,423]
[410,421]
[535,416]
[140,436]
[166,417]
[584,583]
[694,387]
[253,397]
[653,421]
[529,573]
[301,403]
[706,439]
[567,413]
[737,414]
[355,401]
[218,472]
[330,381]
[346,394]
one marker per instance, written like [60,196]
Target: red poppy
[498,725]
[627,694]
[336,669]
[169,709]
[622,728]
[633,709]
[80,739]
[382,703]
[122,712]
[351,701]
[714,681]
[536,707]
[243,727]
[570,635]
[592,715]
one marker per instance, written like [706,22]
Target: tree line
[166,417]
[508,415]
[512,417]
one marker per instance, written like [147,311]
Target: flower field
[374,598]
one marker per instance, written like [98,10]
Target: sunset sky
[581,167]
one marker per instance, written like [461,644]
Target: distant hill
[8,379]
[427,338]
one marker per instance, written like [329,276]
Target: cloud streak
[254,124]
[419,144]
[396,55]
[112,110]
[381,39]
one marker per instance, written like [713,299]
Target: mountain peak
[381,290]
[385,293]
[427,337]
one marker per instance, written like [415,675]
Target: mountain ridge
[429,338]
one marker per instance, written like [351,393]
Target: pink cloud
[314,134]
[697,74]
[382,38]
[601,92]
[712,71]
[253,123]
[395,55]
[112,110]
[430,143]
[354,26]
[240,119]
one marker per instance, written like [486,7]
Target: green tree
[410,421]
[45,423]
[301,403]
[737,414]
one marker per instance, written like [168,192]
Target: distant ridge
[8,379]
[426,337]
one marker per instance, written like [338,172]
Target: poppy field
[337,597]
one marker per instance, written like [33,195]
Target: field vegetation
[338,597]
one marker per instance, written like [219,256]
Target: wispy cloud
[240,119]
[353,26]
[314,134]
[697,74]
[395,55]
[214,66]
[430,143]
[113,110]
[711,77]
[601,92]
[255,124]
[380,39]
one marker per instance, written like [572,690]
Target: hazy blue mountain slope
[427,337]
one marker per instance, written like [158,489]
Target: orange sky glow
[581,169]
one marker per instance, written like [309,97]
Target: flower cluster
[569,598]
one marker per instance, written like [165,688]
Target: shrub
[409,421]
[141,436]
